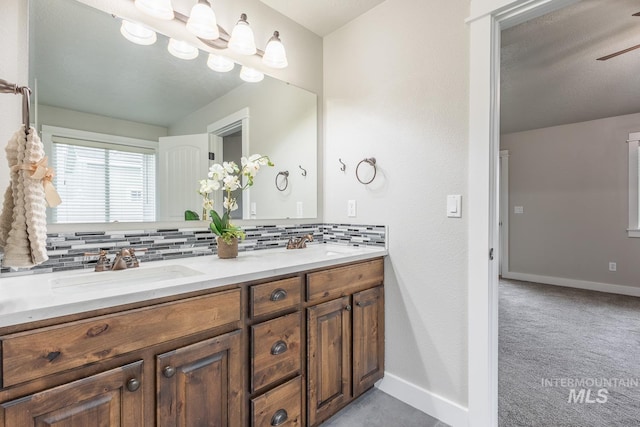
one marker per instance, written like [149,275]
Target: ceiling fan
[620,52]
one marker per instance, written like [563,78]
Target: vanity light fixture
[274,54]
[242,40]
[137,33]
[182,50]
[220,63]
[202,22]
[250,75]
[160,9]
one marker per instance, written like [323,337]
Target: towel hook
[6,87]
[371,161]
[285,180]
[304,171]
[343,167]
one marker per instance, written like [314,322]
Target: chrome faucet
[300,242]
[124,259]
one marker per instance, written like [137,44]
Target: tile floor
[378,409]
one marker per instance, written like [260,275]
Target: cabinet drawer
[39,352]
[278,407]
[340,281]
[276,350]
[273,297]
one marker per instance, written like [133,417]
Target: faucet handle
[103,262]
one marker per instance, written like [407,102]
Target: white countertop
[43,296]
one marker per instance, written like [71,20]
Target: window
[102,181]
[634,184]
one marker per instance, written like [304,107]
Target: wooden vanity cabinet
[287,352]
[345,336]
[111,398]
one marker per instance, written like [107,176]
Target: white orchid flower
[231,182]
[230,204]
[216,172]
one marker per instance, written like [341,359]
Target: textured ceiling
[322,16]
[549,72]
[83,63]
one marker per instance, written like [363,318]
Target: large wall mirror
[131,129]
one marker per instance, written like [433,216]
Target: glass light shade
[274,54]
[182,50]
[250,75]
[218,63]
[242,40]
[137,33]
[160,9]
[202,22]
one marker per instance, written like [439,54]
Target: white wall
[14,57]
[396,88]
[62,117]
[282,125]
[572,182]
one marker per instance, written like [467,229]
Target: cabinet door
[329,354]
[109,399]
[368,339]
[201,384]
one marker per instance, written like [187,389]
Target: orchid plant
[228,177]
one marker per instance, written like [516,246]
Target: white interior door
[183,161]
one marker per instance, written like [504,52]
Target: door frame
[503,251]
[488,18]
[225,126]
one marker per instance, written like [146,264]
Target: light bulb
[137,33]
[251,75]
[202,22]
[274,54]
[242,40]
[182,50]
[160,9]
[219,63]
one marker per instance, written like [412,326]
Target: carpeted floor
[563,335]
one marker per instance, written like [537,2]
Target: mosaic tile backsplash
[67,250]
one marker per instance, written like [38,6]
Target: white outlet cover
[351,208]
[518,209]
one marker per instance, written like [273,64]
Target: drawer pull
[279,348]
[169,371]
[280,417]
[133,384]
[278,295]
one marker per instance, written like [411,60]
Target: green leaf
[216,223]
[191,216]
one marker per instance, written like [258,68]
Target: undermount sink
[90,282]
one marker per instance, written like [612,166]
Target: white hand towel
[26,240]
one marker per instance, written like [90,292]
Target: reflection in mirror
[103,100]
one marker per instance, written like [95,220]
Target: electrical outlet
[613,266]
[299,210]
[351,208]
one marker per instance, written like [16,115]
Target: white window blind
[100,182]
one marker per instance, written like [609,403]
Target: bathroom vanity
[288,342]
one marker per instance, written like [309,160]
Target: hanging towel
[23,222]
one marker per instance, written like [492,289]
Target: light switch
[454,206]
[253,208]
[518,209]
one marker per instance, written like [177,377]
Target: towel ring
[371,161]
[6,87]
[285,180]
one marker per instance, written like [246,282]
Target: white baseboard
[573,283]
[437,406]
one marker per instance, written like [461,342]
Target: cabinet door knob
[278,295]
[348,307]
[169,371]
[359,303]
[280,417]
[279,347]
[133,384]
